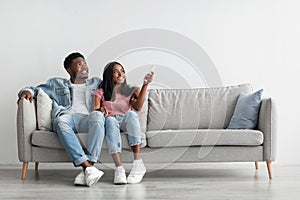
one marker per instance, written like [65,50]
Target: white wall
[249,41]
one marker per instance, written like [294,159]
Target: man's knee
[61,122]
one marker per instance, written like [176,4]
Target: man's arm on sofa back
[26,124]
[267,123]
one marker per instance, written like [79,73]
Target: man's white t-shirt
[79,99]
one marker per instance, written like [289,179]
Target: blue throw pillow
[246,111]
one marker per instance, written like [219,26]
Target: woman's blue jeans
[67,125]
[129,124]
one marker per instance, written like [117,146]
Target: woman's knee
[96,116]
[111,121]
[131,115]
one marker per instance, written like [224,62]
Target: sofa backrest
[201,108]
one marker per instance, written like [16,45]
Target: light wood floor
[178,181]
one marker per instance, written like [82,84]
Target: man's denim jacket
[60,90]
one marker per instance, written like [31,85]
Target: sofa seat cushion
[50,139]
[204,137]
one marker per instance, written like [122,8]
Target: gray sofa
[179,126]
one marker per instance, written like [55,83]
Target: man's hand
[27,95]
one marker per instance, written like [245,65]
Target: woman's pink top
[119,106]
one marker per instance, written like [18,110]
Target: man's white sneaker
[92,175]
[120,176]
[80,179]
[137,172]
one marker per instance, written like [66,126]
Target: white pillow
[44,110]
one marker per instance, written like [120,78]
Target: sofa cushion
[200,108]
[246,111]
[44,109]
[204,137]
[50,139]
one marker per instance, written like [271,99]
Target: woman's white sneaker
[120,176]
[137,172]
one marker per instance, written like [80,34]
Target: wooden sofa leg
[269,169]
[256,165]
[36,167]
[24,170]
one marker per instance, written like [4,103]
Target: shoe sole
[120,183]
[80,184]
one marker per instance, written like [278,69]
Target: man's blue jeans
[128,123]
[67,125]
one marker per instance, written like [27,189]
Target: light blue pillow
[246,111]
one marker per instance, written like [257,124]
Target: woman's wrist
[101,109]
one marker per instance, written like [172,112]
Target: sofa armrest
[26,124]
[267,123]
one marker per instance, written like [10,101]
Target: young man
[73,112]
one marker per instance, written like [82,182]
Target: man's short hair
[68,60]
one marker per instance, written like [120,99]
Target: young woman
[116,99]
